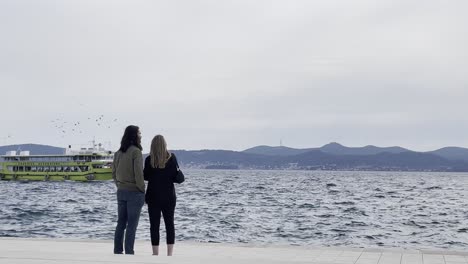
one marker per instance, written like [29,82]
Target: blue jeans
[129,209]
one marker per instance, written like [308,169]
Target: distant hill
[34,149]
[338,149]
[224,157]
[452,153]
[276,151]
[408,160]
[331,148]
[317,159]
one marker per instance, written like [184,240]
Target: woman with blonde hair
[161,171]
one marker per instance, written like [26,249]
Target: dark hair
[130,138]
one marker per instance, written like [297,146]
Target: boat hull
[101,175]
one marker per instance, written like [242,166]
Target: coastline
[43,250]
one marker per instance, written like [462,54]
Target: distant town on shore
[332,156]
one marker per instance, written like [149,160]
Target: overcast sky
[234,74]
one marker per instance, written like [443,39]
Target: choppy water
[360,209]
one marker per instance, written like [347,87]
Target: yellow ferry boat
[86,164]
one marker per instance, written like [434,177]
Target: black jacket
[160,190]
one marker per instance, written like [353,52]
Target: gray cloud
[232,74]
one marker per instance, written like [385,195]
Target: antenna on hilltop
[18,150]
[281,142]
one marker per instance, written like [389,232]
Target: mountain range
[332,148]
[450,153]
[34,149]
[332,156]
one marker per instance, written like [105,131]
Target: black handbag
[180,177]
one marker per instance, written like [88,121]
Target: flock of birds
[65,127]
[69,127]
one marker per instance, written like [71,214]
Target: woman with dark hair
[161,171]
[127,172]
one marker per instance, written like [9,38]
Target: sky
[235,74]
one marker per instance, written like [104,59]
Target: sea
[412,210]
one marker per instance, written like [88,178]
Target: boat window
[33,169]
[52,169]
[66,169]
[40,169]
[27,168]
[58,169]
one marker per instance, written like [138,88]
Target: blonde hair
[159,154]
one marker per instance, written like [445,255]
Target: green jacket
[127,170]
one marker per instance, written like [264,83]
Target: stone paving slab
[38,251]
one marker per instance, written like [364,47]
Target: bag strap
[176,162]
